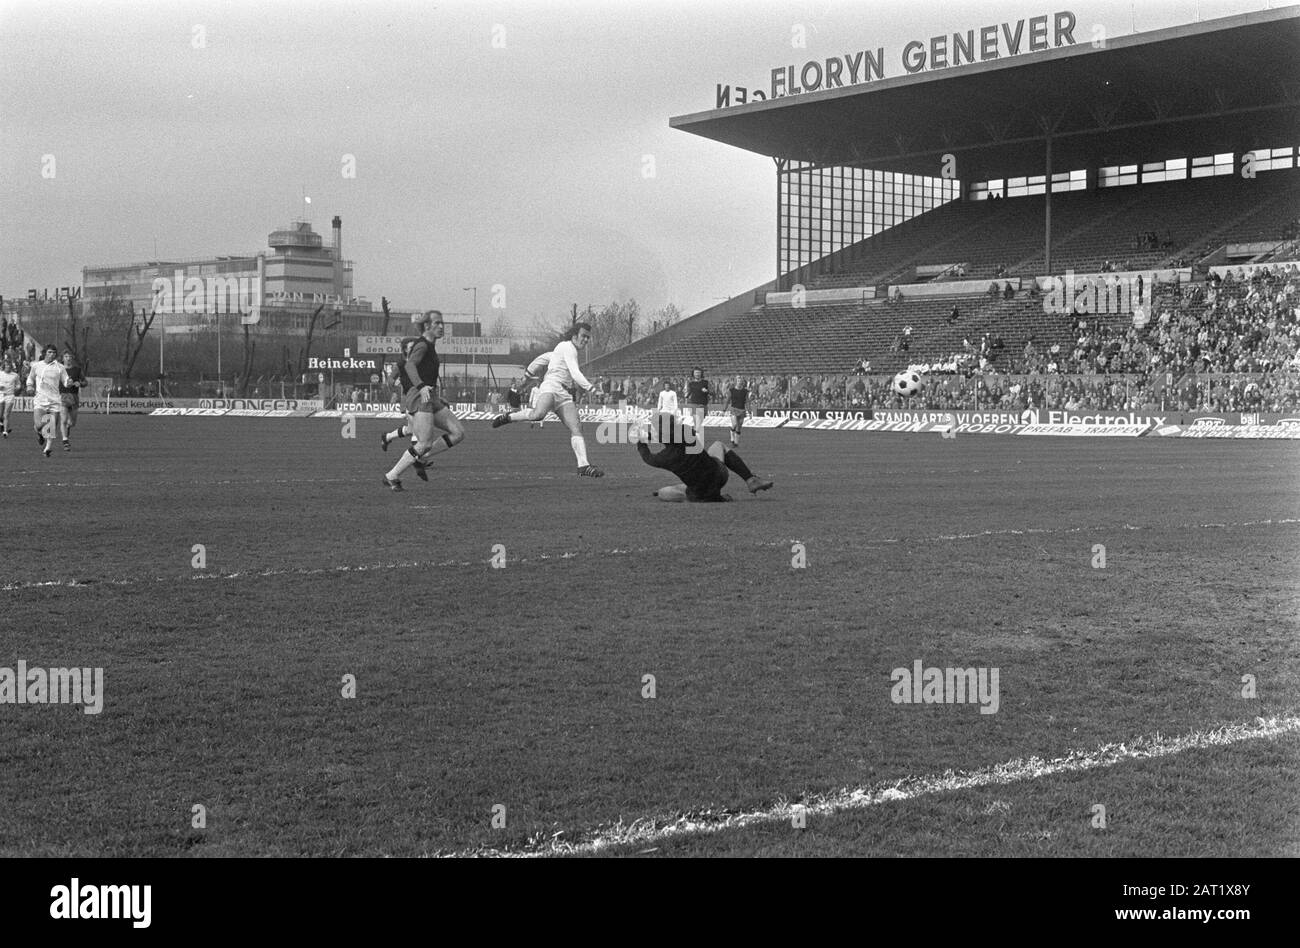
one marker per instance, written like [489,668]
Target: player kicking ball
[703,473]
[562,373]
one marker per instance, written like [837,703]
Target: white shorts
[559,394]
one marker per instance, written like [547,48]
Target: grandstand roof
[1230,84]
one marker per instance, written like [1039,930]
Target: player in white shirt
[44,380]
[667,400]
[554,394]
[10,383]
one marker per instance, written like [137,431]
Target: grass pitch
[517,696]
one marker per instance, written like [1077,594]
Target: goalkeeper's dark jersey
[739,398]
[513,398]
[703,474]
[697,392]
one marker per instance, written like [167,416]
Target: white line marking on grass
[650,830]
[90,582]
[1095,528]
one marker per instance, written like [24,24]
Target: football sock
[406,460]
[524,414]
[442,444]
[393,435]
[734,463]
[579,449]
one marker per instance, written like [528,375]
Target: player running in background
[70,398]
[737,399]
[10,383]
[535,394]
[402,384]
[562,374]
[703,473]
[697,399]
[667,400]
[515,397]
[45,380]
[435,426]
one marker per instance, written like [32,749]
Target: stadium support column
[780,166]
[1047,209]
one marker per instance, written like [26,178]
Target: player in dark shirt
[435,426]
[703,473]
[514,398]
[697,398]
[70,396]
[403,384]
[738,399]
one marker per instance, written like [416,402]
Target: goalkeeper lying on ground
[703,473]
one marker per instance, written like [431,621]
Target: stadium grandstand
[915,227]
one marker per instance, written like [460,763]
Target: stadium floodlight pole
[1047,210]
[472,357]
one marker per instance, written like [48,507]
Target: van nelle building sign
[938,52]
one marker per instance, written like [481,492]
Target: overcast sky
[494,143]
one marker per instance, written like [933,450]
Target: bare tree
[78,333]
[305,353]
[630,313]
[136,331]
[663,318]
[501,327]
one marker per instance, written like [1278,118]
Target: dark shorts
[739,414]
[69,401]
[412,403]
[711,489]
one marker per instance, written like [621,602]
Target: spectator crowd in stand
[1230,344]
[14,348]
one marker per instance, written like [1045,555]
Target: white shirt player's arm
[538,366]
[569,355]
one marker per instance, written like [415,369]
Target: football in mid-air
[906,383]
